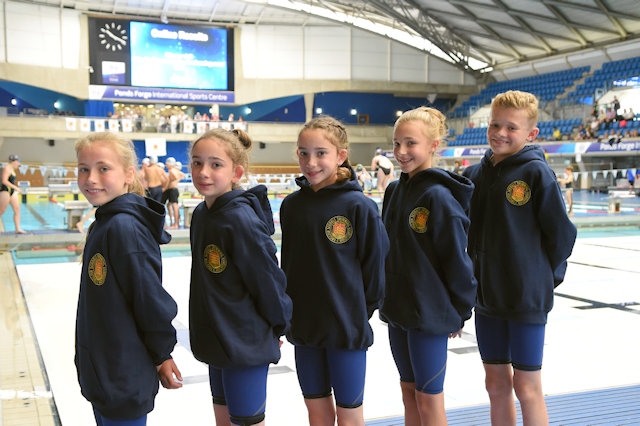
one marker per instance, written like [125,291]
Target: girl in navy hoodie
[124,336]
[238,308]
[430,286]
[333,251]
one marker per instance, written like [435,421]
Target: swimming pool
[49,215]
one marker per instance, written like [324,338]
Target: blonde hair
[123,148]
[519,100]
[238,144]
[335,133]
[435,126]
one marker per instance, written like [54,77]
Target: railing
[57,127]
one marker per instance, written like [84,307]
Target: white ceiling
[500,33]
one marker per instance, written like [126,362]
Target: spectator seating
[546,86]
[603,79]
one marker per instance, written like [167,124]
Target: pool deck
[590,373]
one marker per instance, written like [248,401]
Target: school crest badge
[214,259]
[518,193]
[97,269]
[418,219]
[338,230]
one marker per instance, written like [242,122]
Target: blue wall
[35,97]
[379,107]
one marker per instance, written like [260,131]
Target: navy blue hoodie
[430,282]
[238,308]
[520,235]
[333,251]
[123,324]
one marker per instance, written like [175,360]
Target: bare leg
[499,384]
[431,408]
[351,416]
[528,387]
[175,208]
[411,413]
[221,413]
[15,205]
[381,183]
[4,201]
[570,202]
[321,411]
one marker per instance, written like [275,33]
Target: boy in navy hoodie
[520,238]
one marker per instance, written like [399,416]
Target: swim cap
[170,161]
[13,157]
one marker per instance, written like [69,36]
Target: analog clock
[113,36]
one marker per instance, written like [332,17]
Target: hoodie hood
[526,154]
[256,197]
[350,184]
[147,211]
[461,187]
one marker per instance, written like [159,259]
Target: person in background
[171,194]
[333,252]
[457,167]
[430,286]
[9,191]
[631,178]
[124,331]
[238,308]
[519,239]
[567,181]
[155,178]
[364,178]
[384,168]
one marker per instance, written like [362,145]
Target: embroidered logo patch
[518,193]
[214,259]
[418,219]
[97,269]
[338,229]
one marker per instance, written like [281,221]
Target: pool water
[42,215]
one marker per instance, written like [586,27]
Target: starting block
[189,205]
[75,210]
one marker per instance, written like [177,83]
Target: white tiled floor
[587,347]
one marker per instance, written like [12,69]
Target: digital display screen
[195,61]
[178,56]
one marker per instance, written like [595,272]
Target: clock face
[113,36]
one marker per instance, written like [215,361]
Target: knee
[498,386]
[527,390]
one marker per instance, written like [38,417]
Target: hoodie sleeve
[264,279]
[373,246]
[453,261]
[558,232]
[137,265]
